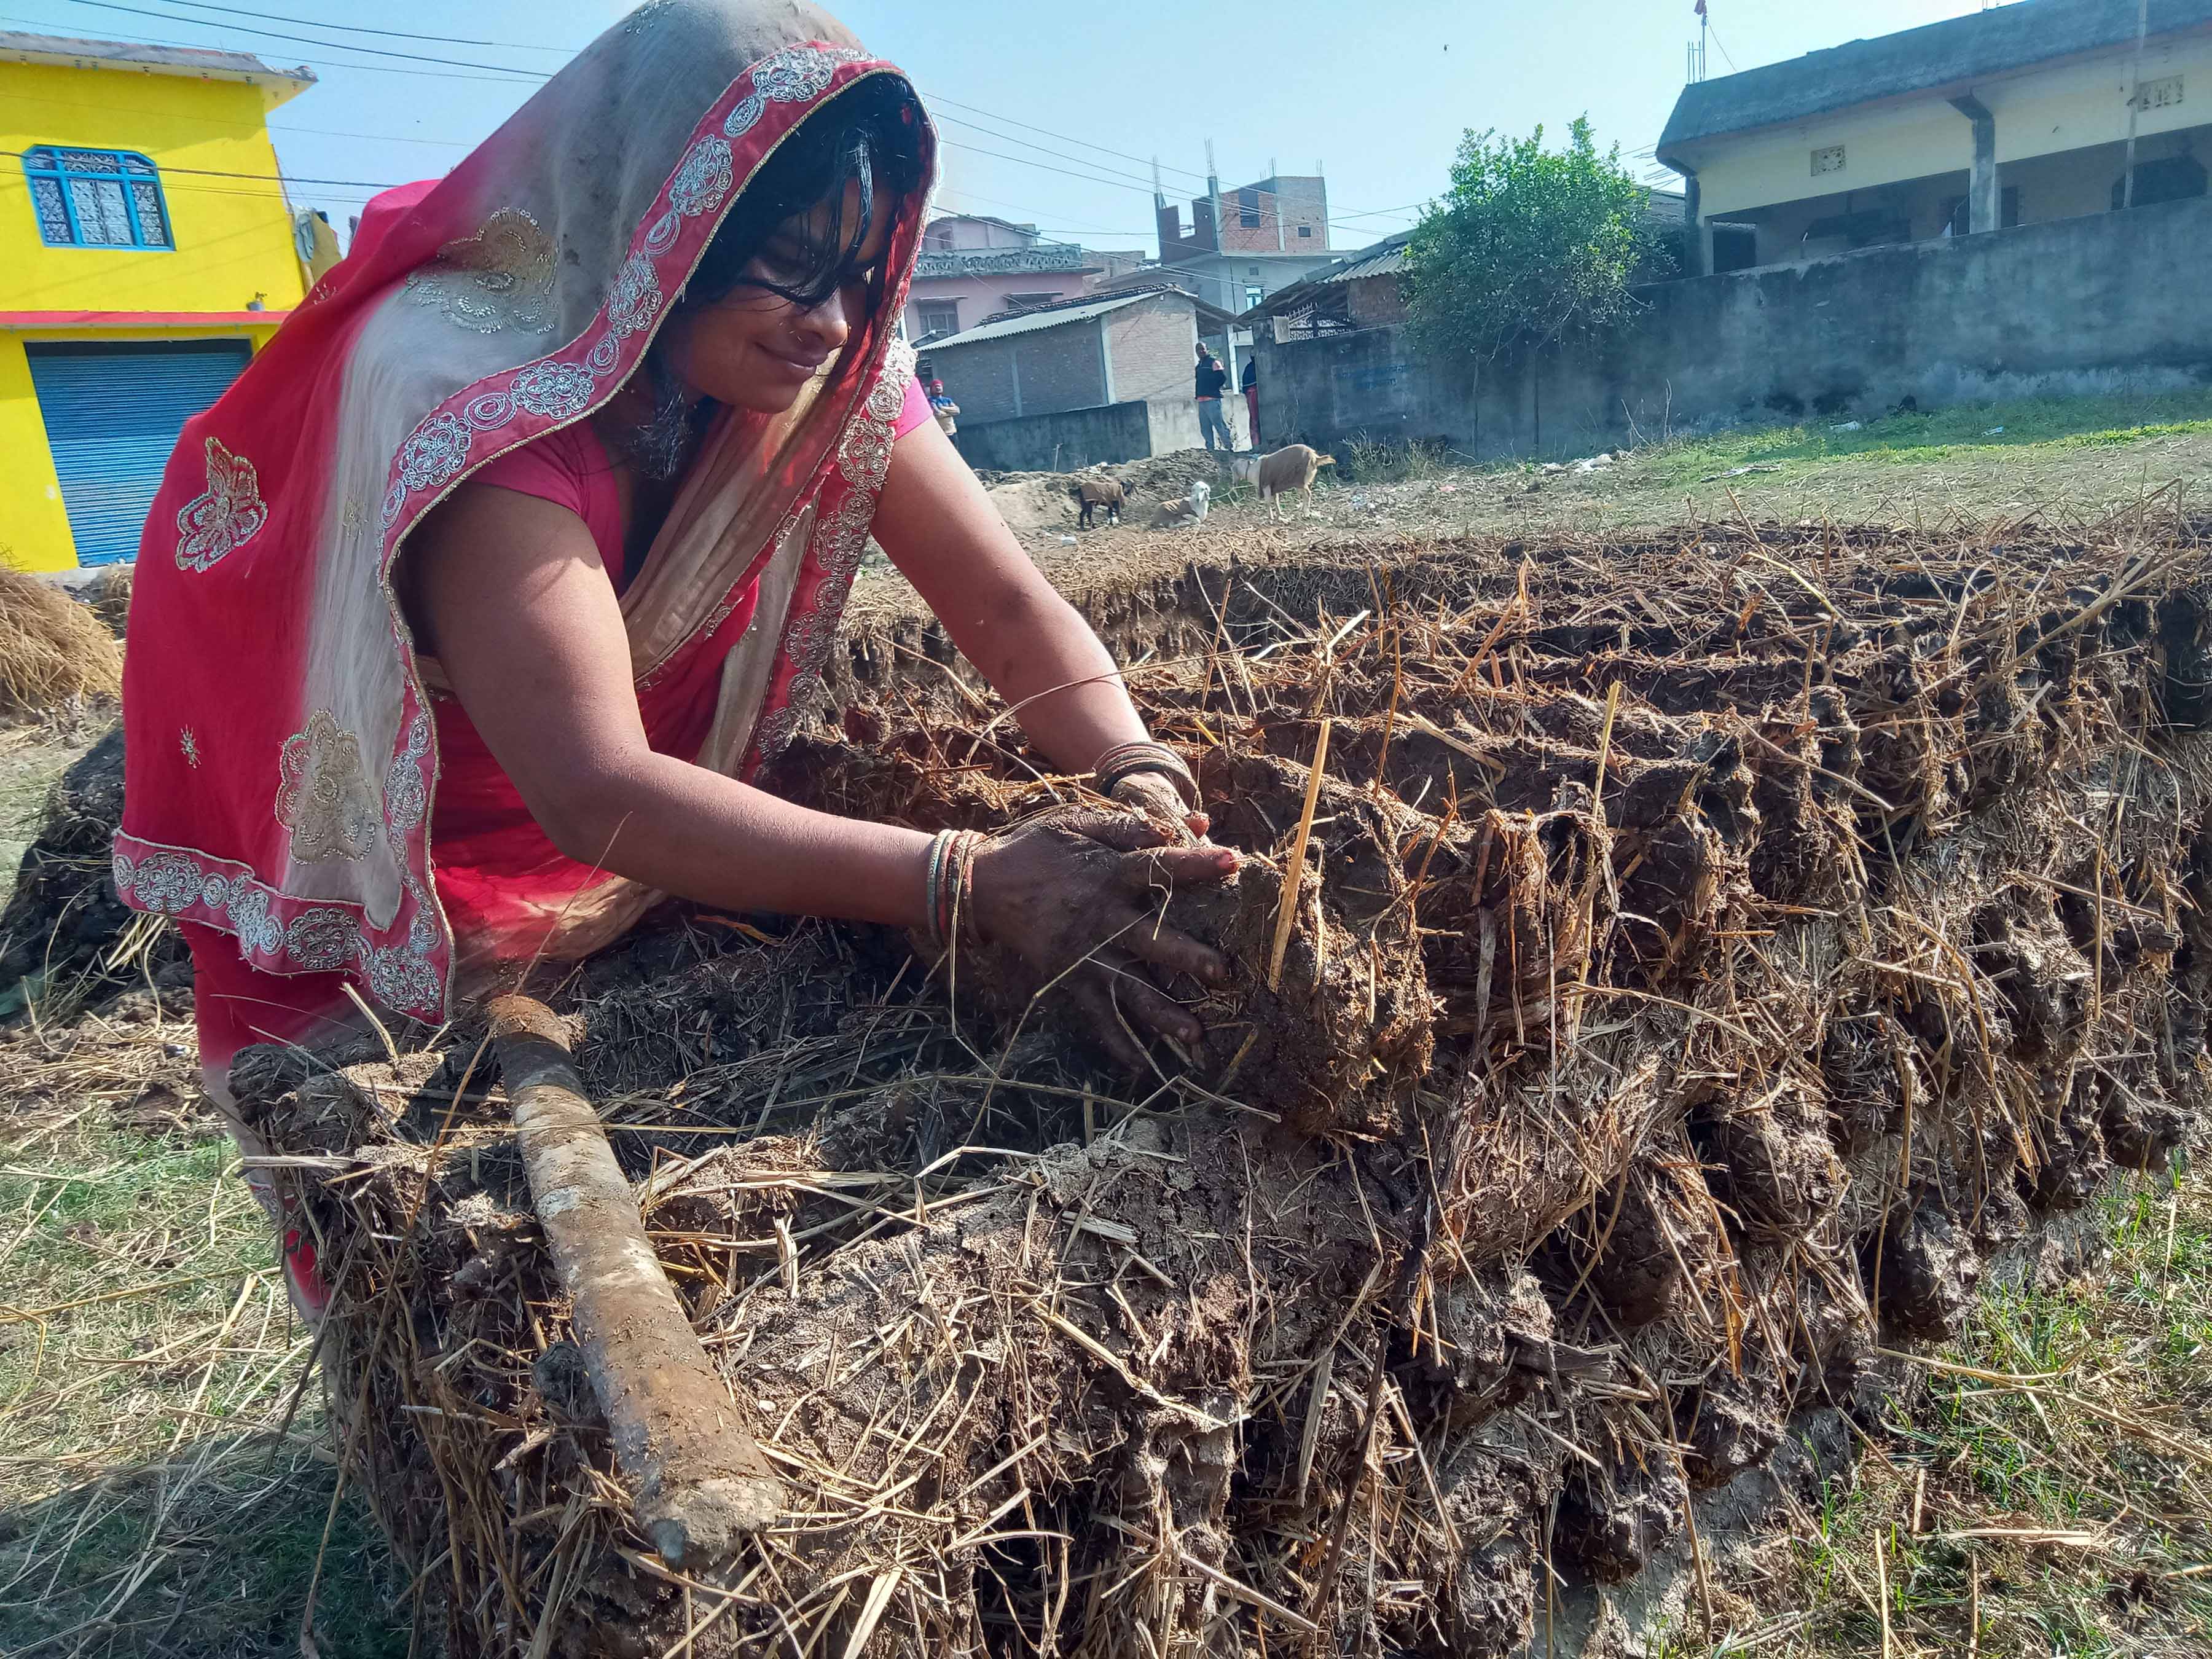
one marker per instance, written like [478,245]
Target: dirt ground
[2051,462]
[31,758]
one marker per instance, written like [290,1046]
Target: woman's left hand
[1155,795]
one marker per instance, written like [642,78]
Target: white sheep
[1184,509]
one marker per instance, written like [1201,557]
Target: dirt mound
[53,650]
[1706,953]
[1037,502]
[109,595]
[65,938]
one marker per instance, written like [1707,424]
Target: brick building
[1361,290]
[1082,354]
[973,266]
[1245,244]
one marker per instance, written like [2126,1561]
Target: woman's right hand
[1076,894]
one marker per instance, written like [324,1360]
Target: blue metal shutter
[113,415]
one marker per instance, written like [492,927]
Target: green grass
[2058,461]
[1366,460]
[148,1504]
[1942,436]
[2072,1514]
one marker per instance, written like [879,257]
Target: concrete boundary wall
[1060,442]
[2109,302]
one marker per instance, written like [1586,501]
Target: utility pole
[2135,106]
[1221,252]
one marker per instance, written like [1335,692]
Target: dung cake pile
[1701,955]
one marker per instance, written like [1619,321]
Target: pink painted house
[974,267]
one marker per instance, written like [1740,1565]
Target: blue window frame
[96,198]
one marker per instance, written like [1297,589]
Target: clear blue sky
[1379,92]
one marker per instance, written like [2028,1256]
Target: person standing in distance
[1212,380]
[943,407]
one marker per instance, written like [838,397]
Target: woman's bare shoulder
[513,522]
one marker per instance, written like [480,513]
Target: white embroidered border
[439,446]
[279,934]
[841,537]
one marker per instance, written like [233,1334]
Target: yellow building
[146,252]
[2004,116]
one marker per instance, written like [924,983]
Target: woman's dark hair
[870,135]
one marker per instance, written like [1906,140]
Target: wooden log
[700,1480]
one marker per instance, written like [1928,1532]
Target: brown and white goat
[1287,469]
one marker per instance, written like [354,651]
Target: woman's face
[757,350]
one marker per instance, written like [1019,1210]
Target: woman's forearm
[705,837]
[1037,653]
[1043,658]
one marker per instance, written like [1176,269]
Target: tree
[1531,251]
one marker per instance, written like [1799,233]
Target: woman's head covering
[281,760]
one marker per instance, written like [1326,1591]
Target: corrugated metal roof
[172,60]
[1386,260]
[1955,51]
[1030,322]
[934,262]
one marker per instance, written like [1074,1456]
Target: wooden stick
[702,1485]
[1881,1589]
[1604,752]
[1294,867]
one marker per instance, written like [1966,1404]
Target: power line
[1380,213]
[46,26]
[1008,120]
[361,29]
[375,138]
[1094,179]
[227,121]
[1041,213]
[510,69]
[511,75]
[310,40]
[1023,160]
[1080,160]
[521,45]
[275,178]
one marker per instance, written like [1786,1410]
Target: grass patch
[1372,460]
[1941,436]
[2057,1504]
[148,1352]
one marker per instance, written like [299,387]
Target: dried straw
[52,649]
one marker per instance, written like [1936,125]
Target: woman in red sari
[465,618]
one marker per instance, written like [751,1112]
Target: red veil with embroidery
[287,748]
